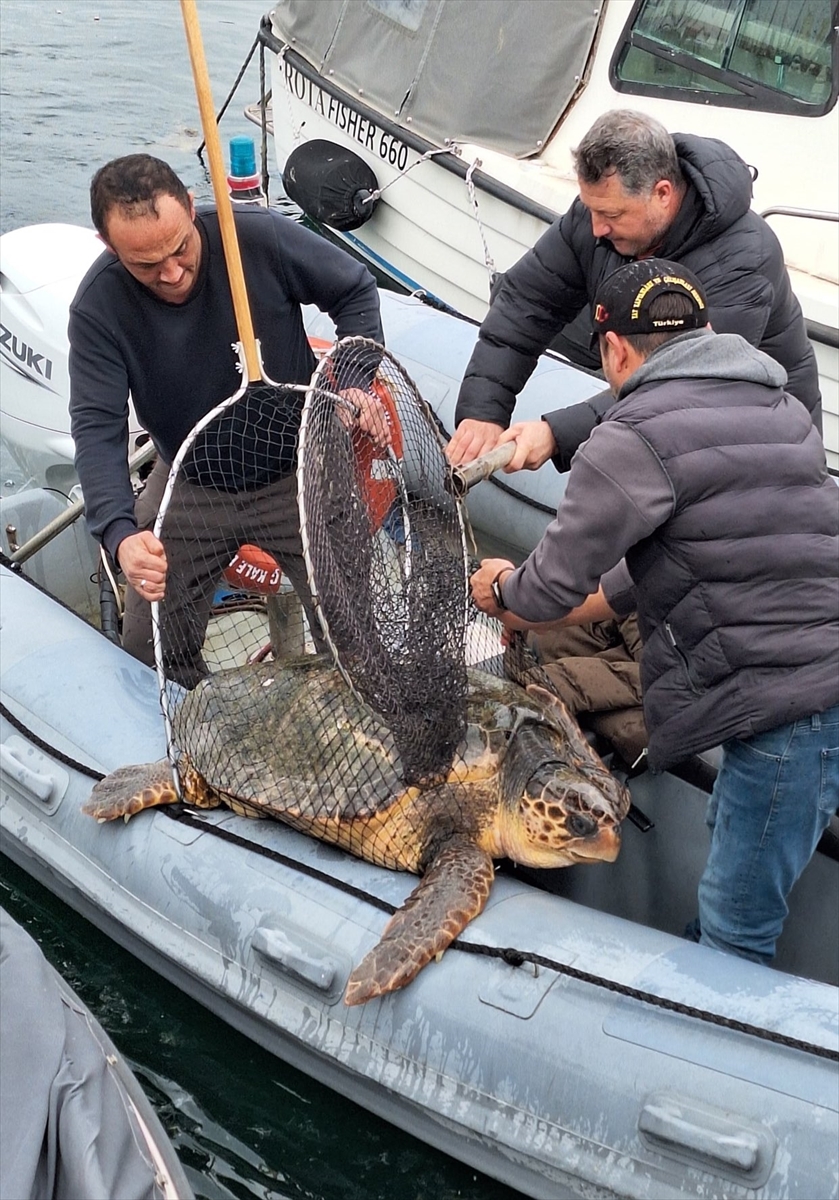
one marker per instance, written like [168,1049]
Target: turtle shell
[291,741]
[289,738]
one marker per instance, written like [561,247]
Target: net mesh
[229,525]
[385,549]
[316,648]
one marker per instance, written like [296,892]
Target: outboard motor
[41,267]
[331,184]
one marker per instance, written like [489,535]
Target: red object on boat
[254,570]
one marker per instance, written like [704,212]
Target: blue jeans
[771,802]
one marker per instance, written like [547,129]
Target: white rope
[473,196]
[106,567]
[422,158]
[296,130]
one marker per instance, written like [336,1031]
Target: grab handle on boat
[38,785]
[297,960]
[708,1136]
[58,524]
[465,477]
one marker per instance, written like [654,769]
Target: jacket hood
[695,355]
[722,182]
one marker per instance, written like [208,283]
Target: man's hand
[142,560]
[471,439]
[534,445]
[481,584]
[594,608]
[368,413]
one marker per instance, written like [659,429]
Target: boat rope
[511,955]
[422,158]
[296,130]
[489,262]
[264,100]
[230,95]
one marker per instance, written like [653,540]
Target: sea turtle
[290,740]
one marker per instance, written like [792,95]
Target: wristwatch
[495,588]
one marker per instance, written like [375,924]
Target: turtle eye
[581,826]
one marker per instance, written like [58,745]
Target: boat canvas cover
[67,1126]
[494,73]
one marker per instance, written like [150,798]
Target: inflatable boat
[570,1043]
[74,1121]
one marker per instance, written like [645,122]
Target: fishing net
[316,646]
[385,549]
[316,626]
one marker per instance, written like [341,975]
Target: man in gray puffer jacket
[642,192]
[703,499]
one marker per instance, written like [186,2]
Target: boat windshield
[773,55]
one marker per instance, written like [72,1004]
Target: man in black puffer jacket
[642,192]
[703,499]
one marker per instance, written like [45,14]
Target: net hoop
[379,495]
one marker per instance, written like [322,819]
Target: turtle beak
[604,846]
[608,844]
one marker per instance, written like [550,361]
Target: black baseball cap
[622,302]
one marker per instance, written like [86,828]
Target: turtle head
[559,803]
[558,818]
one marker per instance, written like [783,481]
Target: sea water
[82,81]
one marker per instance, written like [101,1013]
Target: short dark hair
[634,146]
[667,306]
[132,184]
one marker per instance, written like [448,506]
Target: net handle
[218,175]
[465,477]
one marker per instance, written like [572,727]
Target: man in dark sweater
[703,499]
[642,192]
[154,317]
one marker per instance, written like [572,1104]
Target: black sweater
[177,360]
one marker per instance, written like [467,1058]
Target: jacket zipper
[694,686]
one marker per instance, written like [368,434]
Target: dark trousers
[201,533]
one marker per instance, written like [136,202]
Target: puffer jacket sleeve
[544,290]
[572,426]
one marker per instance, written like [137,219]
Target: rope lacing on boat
[511,955]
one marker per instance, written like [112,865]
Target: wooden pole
[218,175]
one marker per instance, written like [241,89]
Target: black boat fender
[331,184]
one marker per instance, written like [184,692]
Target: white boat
[74,1121]
[466,113]
[571,1045]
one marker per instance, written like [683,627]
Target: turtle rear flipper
[450,894]
[131,789]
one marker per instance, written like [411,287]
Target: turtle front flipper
[131,789]
[450,894]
